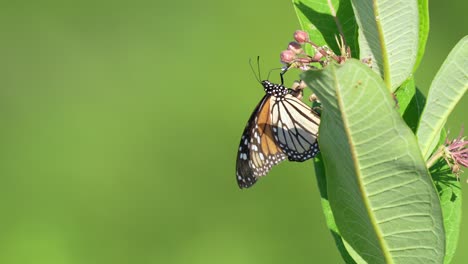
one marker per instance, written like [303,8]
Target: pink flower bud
[295,47]
[301,36]
[317,56]
[287,56]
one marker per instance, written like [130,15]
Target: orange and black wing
[258,150]
[295,127]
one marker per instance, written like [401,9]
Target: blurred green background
[120,126]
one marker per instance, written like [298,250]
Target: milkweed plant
[388,173]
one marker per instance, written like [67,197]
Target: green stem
[437,155]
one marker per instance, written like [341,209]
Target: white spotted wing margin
[252,161]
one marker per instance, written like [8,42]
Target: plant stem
[437,155]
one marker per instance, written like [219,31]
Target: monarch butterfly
[280,126]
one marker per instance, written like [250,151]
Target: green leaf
[451,200]
[448,187]
[447,88]
[315,17]
[388,35]
[381,194]
[414,110]
[411,103]
[405,94]
[330,220]
[450,195]
[423,31]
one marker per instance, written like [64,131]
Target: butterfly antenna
[255,74]
[258,68]
[283,71]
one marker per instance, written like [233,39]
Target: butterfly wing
[258,151]
[295,127]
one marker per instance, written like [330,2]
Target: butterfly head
[274,89]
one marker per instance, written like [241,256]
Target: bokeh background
[120,122]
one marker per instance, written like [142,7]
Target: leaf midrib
[383,244]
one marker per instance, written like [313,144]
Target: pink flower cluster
[456,153]
[295,56]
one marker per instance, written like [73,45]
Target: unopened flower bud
[287,56]
[298,85]
[313,98]
[295,47]
[317,56]
[301,36]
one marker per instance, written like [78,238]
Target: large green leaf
[383,200]
[447,88]
[448,186]
[315,17]
[388,35]
[347,253]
